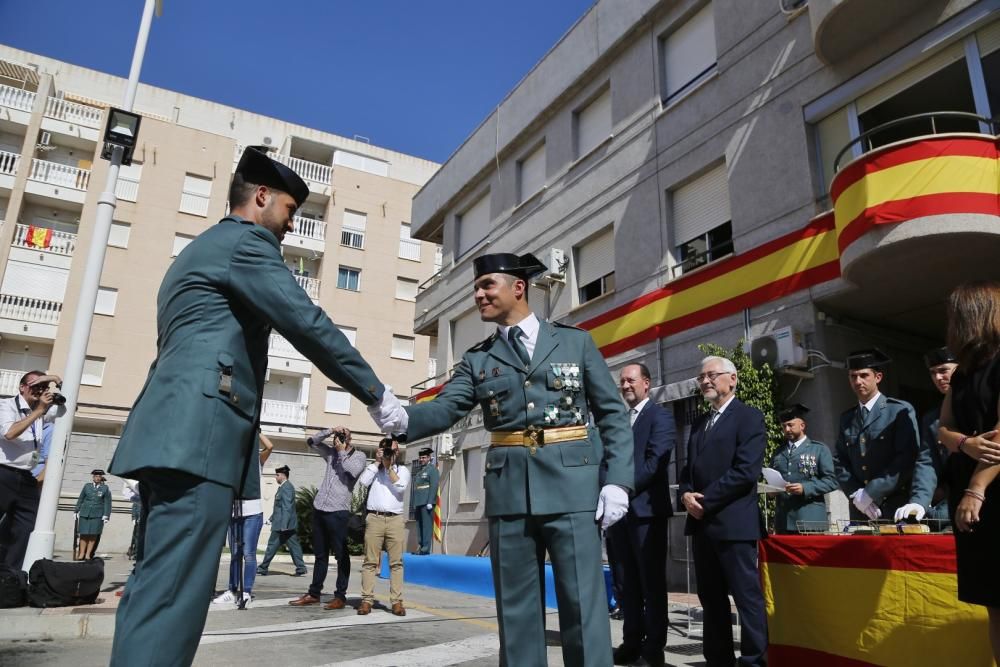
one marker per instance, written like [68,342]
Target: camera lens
[58,399]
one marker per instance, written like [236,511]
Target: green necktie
[514,338]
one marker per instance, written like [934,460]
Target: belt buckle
[534,437]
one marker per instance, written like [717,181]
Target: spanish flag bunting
[437,516]
[39,237]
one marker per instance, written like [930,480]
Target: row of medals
[567,380]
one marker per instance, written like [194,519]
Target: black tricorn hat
[426,451]
[797,411]
[524,267]
[938,356]
[873,358]
[284,470]
[256,167]
[97,471]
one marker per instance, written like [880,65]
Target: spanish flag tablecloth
[858,601]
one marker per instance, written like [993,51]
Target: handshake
[388,414]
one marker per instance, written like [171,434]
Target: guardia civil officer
[93,510]
[539,384]
[929,493]
[423,496]
[876,442]
[191,437]
[807,467]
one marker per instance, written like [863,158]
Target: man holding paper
[807,468]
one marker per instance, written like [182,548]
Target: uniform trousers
[19,494]
[388,533]
[290,539]
[163,610]
[425,527]
[518,544]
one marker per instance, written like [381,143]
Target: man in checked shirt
[331,509]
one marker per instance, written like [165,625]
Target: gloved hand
[911,508]
[612,505]
[861,500]
[76,515]
[105,519]
[429,506]
[873,512]
[388,413]
[267,522]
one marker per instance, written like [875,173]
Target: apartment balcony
[316,175]
[44,240]
[310,285]
[10,381]
[283,412]
[58,181]
[309,234]
[282,356]
[16,104]
[841,27]
[21,315]
[428,306]
[9,162]
[72,119]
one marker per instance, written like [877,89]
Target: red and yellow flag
[39,237]
[437,516]
[857,601]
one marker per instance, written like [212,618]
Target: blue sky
[415,76]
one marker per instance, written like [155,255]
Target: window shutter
[351,334]
[701,205]
[595,258]
[908,78]
[93,371]
[406,289]
[532,173]
[355,220]
[474,224]
[402,347]
[119,234]
[467,331]
[689,51]
[593,124]
[989,39]
[107,300]
[35,281]
[337,401]
[180,242]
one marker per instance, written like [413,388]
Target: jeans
[330,532]
[251,531]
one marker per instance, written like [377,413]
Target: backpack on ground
[62,584]
[13,587]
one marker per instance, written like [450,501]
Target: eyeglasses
[711,376]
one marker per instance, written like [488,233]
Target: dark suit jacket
[655,436]
[724,464]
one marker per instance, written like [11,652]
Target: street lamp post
[42,540]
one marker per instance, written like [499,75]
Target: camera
[57,398]
[386,446]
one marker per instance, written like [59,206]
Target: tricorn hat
[284,470]
[873,358]
[938,356]
[797,411]
[524,267]
[256,167]
[97,471]
[426,451]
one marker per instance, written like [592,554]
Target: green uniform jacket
[215,309]
[424,481]
[284,517]
[928,472]
[557,478]
[878,455]
[811,465]
[94,501]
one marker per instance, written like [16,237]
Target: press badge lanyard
[34,433]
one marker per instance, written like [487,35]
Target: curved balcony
[841,27]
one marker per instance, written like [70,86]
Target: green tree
[303,509]
[758,388]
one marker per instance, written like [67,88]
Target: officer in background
[930,489]
[807,467]
[284,525]
[876,442]
[93,510]
[425,479]
[539,385]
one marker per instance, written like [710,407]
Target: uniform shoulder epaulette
[567,326]
[818,442]
[481,345]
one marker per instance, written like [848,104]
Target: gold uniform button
[236,399]
[531,406]
[865,468]
[491,392]
[527,383]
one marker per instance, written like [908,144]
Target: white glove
[429,506]
[612,505]
[912,508]
[861,500]
[76,515]
[873,512]
[388,413]
[267,523]
[105,519]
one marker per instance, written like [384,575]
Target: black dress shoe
[625,655]
[616,614]
[654,659]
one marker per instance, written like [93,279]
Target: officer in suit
[718,488]
[191,437]
[425,479]
[284,524]
[639,541]
[876,442]
[930,490]
[539,385]
[93,510]
[807,467]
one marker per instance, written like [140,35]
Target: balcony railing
[72,112]
[311,171]
[28,309]
[310,228]
[9,163]
[279,346]
[409,249]
[310,285]
[353,238]
[59,174]
[10,381]
[283,412]
[41,238]
[15,98]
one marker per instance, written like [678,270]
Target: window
[338,401]
[119,234]
[351,333]
[593,124]
[361,162]
[107,299]
[472,471]
[195,195]
[474,224]
[127,187]
[181,241]
[688,55]
[595,266]
[466,331]
[93,371]
[27,280]
[353,232]
[406,289]
[531,174]
[701,220]
[408,248]
[348,278]
[402,347]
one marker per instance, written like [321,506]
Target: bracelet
[962,442]
[975,494]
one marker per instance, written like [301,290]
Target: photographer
[331,510]
[22,422]
[384,525]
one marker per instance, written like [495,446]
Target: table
[856,601]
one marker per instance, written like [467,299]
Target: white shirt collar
[529,328]
[801,441]
[725,405]
[871,404]
[640,405]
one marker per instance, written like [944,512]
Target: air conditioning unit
[781,348]
[556,261]
[444,445]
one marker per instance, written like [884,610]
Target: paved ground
[440,628]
